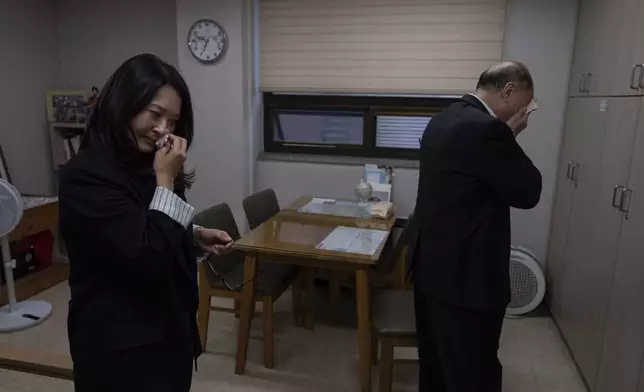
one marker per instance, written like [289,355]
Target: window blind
[400,131]
[378,46]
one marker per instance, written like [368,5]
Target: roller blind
[400,131]
[378,46]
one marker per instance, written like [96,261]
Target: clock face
[207,41]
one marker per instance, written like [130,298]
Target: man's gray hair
[503,73]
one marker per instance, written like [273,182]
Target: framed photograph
[67,106]
[4,169]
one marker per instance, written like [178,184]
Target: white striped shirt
[167,202]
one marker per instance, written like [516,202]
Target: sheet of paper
[353,240]
[337,208]
[532,106]
[321,200]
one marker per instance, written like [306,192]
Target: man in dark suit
[471,172]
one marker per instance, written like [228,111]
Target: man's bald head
[498,76]
[506,88]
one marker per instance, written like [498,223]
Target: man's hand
[519,121]
[213,241]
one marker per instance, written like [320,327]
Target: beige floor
[533,355]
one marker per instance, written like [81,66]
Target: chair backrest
[387,263]
[260,207]
[221,217]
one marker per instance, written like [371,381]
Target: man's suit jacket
[471,172]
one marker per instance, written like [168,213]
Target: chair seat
[393,312]
[272,279]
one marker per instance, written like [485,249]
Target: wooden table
[293,237]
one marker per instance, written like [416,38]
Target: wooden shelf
[68,125]
[37,281]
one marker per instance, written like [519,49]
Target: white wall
[540,33]
[29,65]
[220,153]
[96,37]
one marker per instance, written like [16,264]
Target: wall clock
[207,41]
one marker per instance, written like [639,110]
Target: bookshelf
[65,141]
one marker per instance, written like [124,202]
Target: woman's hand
[213,241]
[169,159]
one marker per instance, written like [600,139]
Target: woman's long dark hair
[127,92]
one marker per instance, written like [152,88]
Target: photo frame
[67,106]
[4,169]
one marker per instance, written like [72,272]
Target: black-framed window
[362,126]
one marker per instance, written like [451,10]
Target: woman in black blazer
[130,239]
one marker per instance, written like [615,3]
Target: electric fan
[527,282]
[16,315]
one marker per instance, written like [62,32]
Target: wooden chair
[393,319]
[259,208]
[270,284]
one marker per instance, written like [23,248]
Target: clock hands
[205,46]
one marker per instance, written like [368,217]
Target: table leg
[203,313]
[364,330]
[335,293]
[309,301]
[246,316]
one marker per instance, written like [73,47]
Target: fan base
[25,315]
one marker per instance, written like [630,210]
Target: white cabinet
[608,58]
[587,289]
[623,343]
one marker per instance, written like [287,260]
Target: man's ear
[507,91]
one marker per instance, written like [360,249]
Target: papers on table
[319,200]
[353,240]
[336,208]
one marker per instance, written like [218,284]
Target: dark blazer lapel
[472,100]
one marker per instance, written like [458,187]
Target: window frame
[370,106]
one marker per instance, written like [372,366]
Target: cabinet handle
[619,190]
[641,83]
[625,202]
[634,85]
[574,172]
[582,83]
[589,77]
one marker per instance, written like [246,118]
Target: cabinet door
[627,16]
[581,292]
[605,32]
[576,123]
[585,39]
[623,342]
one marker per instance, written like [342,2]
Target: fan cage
[527,282]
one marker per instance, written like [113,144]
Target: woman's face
[157,119]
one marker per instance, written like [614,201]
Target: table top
[37,201]
[292,233]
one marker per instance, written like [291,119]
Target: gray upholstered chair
[259,208]
[223,276]
[392,314]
